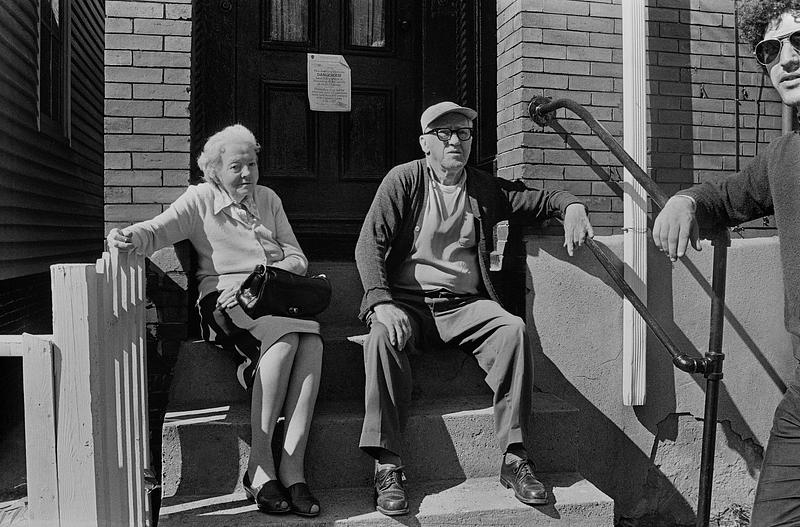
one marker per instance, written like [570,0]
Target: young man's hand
[396,322]
[675,227]
[576,227]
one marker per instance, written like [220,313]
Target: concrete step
[574,502]
[205,375]
[346,293]
[205,450]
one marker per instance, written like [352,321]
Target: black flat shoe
[270,497]
[302,501]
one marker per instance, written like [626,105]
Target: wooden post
[140,337]
[101,387]
[40,431]
[36,353]
[116,482]
[78,445]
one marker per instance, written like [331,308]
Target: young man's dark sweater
[770,184]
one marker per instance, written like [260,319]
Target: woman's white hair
[210,158]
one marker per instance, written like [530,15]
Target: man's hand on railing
[676,226]
[120,240]
[576,227]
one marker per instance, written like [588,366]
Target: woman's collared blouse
[230,238]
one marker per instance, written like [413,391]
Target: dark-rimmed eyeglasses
[767,51]
[444,134]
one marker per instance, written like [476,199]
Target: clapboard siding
[40,182]
[51,188]
[29,147]
[16,71]
[88,27]
[54,218]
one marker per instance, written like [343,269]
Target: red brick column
[148,59]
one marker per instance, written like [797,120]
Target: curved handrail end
[543,119]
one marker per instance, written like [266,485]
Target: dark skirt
[247,339]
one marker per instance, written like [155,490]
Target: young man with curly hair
[770,184]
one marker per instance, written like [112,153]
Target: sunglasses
[767,51]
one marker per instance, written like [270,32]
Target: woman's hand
[227,299]
[120,240]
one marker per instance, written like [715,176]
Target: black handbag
[274,291]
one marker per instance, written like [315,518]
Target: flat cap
[442,108]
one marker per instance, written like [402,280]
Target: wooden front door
[251,67]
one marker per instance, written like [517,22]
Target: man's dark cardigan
[388,232]
[769,184]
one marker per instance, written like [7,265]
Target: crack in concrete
[749,441]
[656,489]
[613,359]
[599,365]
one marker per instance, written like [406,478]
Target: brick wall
[148,58]
[572,48]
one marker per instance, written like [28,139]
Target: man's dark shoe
[518,475]
[390,495]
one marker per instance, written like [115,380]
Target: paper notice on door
[328,83]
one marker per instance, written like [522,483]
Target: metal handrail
[542,111]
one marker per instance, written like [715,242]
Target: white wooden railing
[85,393]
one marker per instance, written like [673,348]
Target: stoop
[448,438]
[452,461]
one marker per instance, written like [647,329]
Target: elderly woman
[235,225]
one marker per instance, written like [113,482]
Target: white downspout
[634,115]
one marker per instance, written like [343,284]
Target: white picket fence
[85,393]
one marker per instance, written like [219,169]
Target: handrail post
[713,375]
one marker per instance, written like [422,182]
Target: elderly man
[770,184]
[423,256]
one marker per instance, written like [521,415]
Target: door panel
[287,151]
[368,136]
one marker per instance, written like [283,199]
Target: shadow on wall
[647,458]
[616,464]
[610,174]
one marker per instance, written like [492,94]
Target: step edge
[479,405]
[596,496]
